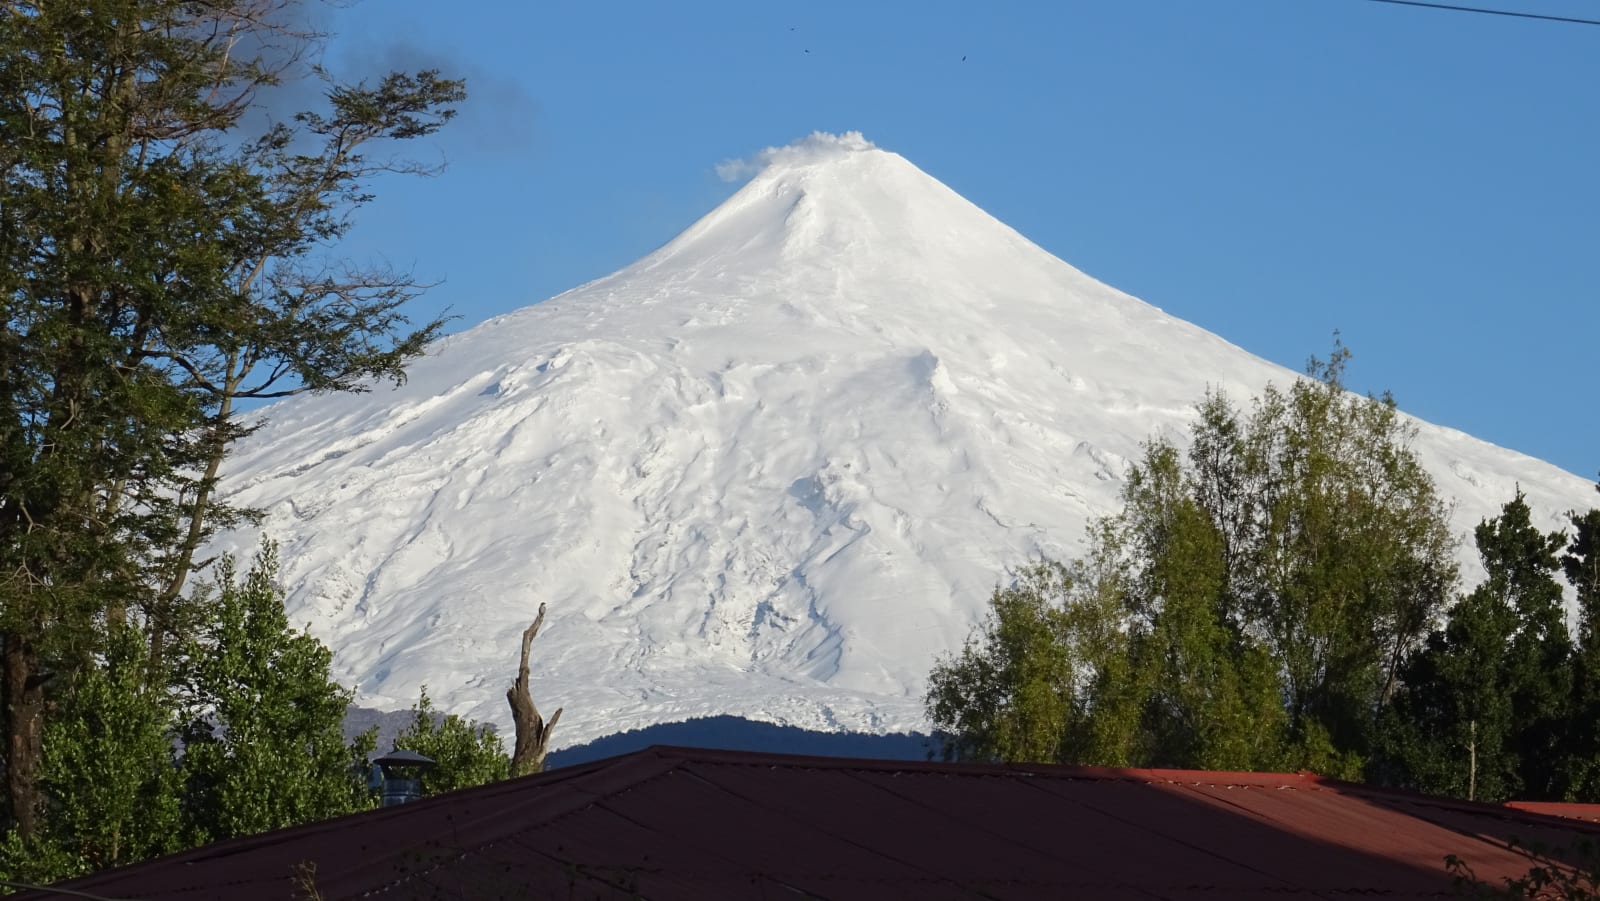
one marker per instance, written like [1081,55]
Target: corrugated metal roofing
[676,823]
[1586,812]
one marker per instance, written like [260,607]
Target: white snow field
[771,470]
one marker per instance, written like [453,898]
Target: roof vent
[401,773]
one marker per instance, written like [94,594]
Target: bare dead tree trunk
[533,733]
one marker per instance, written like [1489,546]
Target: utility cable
[1490,12]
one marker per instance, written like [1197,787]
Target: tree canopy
[240,733]
[161,263]
[465,753]
[1249,607]
[1278,596]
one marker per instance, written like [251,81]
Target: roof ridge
[968,767]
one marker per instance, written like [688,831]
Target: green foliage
[1523,564]
[1570,875]
[1215,698]
[1249,608]
[1486,701]
[1581,564]
[263,746]
[240,735]
[157,267]
[109,765]
[1339,551]
[1452,704]
[37,860]
[464,752]
[1014,690]
[1117,683]
[109,772]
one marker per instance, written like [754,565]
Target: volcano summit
[770,470]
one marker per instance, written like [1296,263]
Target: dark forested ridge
[728,733]
[732,733]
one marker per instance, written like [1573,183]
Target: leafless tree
[533,733]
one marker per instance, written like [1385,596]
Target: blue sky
[1427,182]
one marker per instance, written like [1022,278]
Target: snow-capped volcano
[772,469]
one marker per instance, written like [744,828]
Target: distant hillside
[728,733]
[732,733]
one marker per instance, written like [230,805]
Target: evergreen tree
[1581,564]
[263,746]
[157,267]
[1523,566]
[1447,730]
[1483,710]
[464,752]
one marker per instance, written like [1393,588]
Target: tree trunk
[159,614]
[533,733]
[23,689]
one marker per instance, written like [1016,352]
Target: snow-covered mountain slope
[771,470]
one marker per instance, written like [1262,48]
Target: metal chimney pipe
[402,776]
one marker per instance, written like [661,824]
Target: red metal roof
[1586,812]
[678,823]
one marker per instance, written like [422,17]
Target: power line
[1490,12]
